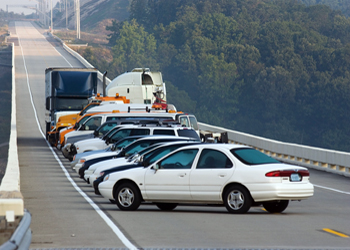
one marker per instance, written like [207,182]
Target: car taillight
[287,173]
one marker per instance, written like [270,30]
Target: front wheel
[166,206]
[276,206]
[127,197]
[237,200]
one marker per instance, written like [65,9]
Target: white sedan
[233,175]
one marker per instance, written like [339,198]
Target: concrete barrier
[332,161]
[11,199]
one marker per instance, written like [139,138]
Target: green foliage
[134,48]
[279,69]
[342,5]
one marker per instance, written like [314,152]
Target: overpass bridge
[66,214]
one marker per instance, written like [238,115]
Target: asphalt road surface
[66,214]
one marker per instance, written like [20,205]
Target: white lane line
[332,189]
[109,222]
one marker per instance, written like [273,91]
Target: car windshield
[136,155]
[159,153]
[250,156]
[123,143]
[82,120]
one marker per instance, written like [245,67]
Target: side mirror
[121,152]
[96,134]
[145,163]
[156,167]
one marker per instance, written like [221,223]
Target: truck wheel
[48,126]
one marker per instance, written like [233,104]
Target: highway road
[67,214]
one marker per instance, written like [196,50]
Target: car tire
[237,199]
[276,206]
[127,197]
[166,206]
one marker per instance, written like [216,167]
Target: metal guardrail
[332,161]
[22,237]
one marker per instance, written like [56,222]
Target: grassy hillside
[92,13]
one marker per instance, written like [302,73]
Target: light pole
[77,13]
[51,18]
[66,16]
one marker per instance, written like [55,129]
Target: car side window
[163,132]
[194,123]
[140,132]
[180,160]
[184,121]
[212,159]
[93,123]
[112,118]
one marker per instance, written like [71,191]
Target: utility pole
[51,18]
[77,13]
[66,15]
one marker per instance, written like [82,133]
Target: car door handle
[222,175]
[182,175]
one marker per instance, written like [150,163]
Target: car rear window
[252,156]
[188,133]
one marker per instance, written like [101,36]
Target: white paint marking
[109,222]
[332,189]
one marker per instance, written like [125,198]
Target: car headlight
[106,178]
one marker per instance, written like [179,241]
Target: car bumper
[284,191]
[106,189]
[88,176]
[73,163]
[77,167]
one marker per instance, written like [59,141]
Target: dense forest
[343,5]
[277,69]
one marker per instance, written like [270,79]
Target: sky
[20,10]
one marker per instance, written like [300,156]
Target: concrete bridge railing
[322,159]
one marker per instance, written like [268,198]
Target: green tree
[134,48]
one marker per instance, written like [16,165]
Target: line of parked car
[161,161]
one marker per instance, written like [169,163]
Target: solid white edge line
[332,189]
[109,222]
